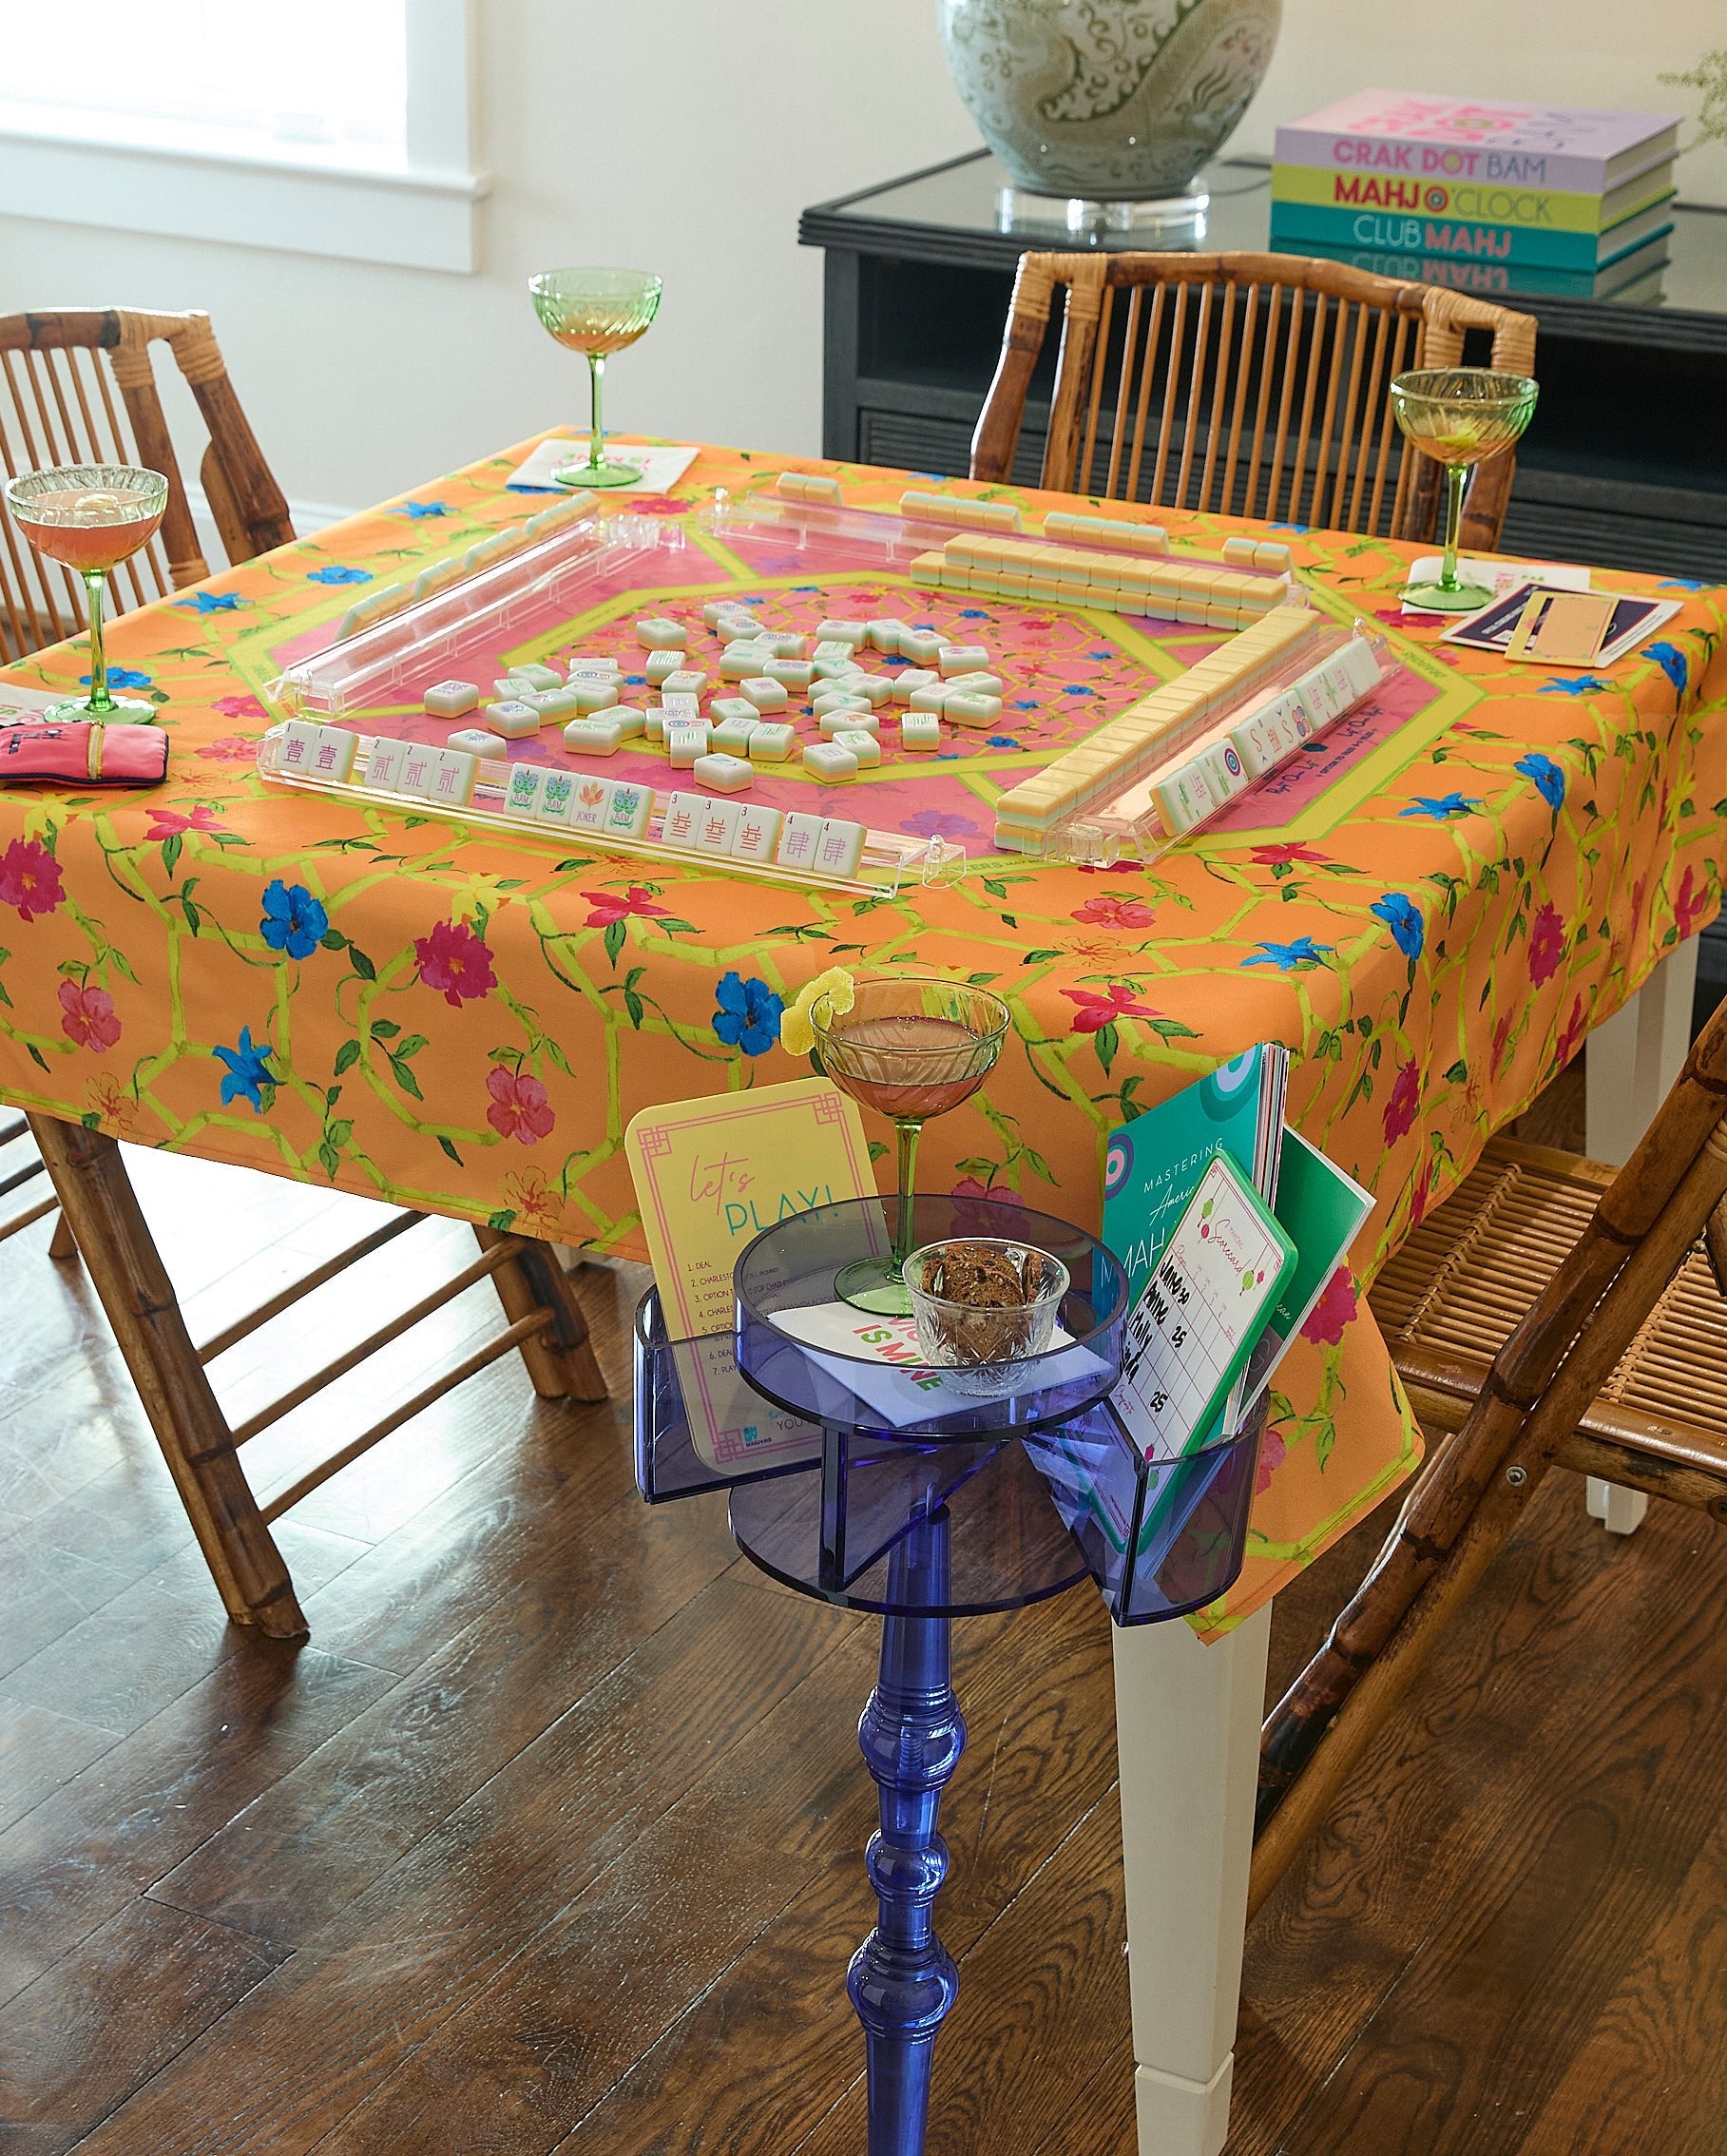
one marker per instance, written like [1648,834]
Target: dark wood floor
[550,1838]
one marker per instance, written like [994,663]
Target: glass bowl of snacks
[984,1305]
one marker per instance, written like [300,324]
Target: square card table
[1486,866]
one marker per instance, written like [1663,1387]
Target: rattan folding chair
[1553,1313]
[1251,385]
[80,387]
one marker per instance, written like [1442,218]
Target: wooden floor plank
[394,1966]
[68,2058]
[339,1819]
[40,1750]
[73,1863]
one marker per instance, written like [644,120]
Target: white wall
[712,127]
[1600,52]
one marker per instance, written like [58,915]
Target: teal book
[1154,1162]
[1397,232]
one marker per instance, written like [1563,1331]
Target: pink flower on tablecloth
[1546,944]
[1502,1034]
[230,748]
[455,962]
[659,505]
[519,1107]
[168,823]
[30,879]
[1272,1452]
[1106,911]
[89,1015]
[1114,868]
[1284,852]
[1692,905]
[1335,1309]
[536,1204]
[1571,1036]
[240,707]
[1096,1012]
[1401,1101]
[610,906]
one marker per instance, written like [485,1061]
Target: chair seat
[1450,1298]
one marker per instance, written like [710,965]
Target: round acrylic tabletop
[802,1348]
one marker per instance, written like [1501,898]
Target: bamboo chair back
[78,387]
[1543,1382]
[1248,385]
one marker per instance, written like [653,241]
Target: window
[329,126]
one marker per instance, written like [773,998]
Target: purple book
[1571,149]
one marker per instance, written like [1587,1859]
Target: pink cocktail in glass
[89,518]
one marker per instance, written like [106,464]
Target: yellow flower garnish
[797,1036]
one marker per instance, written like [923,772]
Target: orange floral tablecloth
[466,1024]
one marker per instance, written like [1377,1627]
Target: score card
[1202,1311]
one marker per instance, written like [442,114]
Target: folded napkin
[84,752]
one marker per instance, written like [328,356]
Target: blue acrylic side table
[900,1492]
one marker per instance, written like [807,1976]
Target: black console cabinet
[1625,464]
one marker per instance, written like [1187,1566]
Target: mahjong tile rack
[764,843]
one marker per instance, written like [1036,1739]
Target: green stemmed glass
[89,518]
[1460,416]
[910,1048]
[596,311]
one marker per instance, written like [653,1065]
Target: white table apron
[1188,1717]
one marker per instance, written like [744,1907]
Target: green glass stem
[95,584]
[1455,477]
[596,447]
[906,1133]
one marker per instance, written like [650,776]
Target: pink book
[1570,149]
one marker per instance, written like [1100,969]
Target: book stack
[1484,196]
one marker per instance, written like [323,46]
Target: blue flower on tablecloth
[121,677]
[211,602]
[333,572]
[806,588]
[749,1013]
[1573,685]
[1105,655]
[974,614]
[1288,527]
[294,920]
[1682,584]
[1549,780]
[1001,740]
[1403,918]
[1024,703]
[1287,957]
[1671,661]
[1077,688]
[1441,807]
[249,1071]
[418,509]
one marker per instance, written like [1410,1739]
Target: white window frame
[421,218]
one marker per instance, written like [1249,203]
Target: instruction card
[1198,1315]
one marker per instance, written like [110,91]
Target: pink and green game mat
[1066,669]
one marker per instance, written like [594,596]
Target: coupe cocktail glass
[91,518]
[596,311]
[1459,416]
[912,1049]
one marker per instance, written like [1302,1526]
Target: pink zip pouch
[82,753]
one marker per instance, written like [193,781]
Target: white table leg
[1633,1061]
[1635,1057]
[1187,1728]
